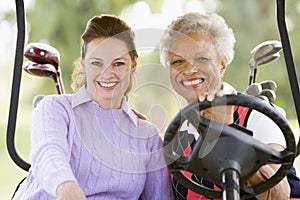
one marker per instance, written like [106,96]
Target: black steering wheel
[219,147]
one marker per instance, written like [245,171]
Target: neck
[109,103]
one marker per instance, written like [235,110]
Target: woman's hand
[281,190]
[69,191]
[220,114]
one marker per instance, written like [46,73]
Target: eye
[201,59]
[119,64]
[96,63]
[177,62]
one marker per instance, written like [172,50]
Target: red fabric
[187,151]
[193,195]
[242,112]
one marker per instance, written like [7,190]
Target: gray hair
[212,24]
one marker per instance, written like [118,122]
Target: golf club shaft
[252,75]
[60,87]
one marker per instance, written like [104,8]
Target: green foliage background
[61,23]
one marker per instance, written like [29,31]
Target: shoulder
[148,131]
[147,124]
[52,101]
[142,120]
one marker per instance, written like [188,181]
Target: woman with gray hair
[197,49]
[193,23]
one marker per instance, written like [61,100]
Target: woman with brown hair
[90,144]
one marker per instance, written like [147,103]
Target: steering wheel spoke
[281,157]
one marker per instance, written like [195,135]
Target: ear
[82,66]
[223,68]
[134,65]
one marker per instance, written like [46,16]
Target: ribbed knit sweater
[111,154]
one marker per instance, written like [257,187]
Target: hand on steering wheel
[221,146]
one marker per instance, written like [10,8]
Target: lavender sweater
[111,154]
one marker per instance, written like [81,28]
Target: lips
[192,82]
[107,85]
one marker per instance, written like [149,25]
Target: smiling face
[108,67]
[195,66]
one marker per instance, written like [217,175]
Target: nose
[190,68]
[107,72]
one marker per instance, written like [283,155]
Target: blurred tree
[60,23]
[254,22]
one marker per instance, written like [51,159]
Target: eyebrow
[116,59]
[95,58]
[199,53]
[119,58]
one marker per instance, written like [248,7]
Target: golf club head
[42,54]
[44,70]
[270,58]
[270,94]
[254,89]
[41,70]
[263,53]
[269,84]
[266,49]
[264,90]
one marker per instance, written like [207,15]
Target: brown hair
[104,26]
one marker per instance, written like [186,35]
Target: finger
[220,93]
[202,98]
[234,92]
[210,97]
[228,89]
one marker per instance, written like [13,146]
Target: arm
[158,180]
[69,190]
[265,130]
[281,190]
[220,114]
[49,145]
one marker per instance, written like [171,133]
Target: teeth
[109,84]
[193,82]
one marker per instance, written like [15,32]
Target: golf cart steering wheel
[220,147]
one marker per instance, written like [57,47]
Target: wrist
[65,187]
